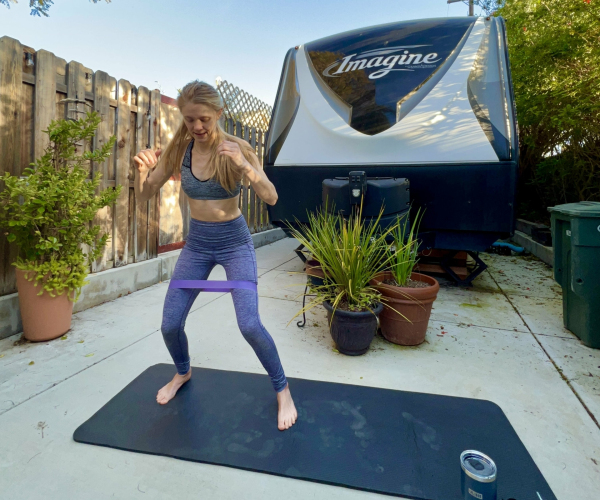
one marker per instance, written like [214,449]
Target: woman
[211,164]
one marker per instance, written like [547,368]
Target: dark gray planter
[351,331]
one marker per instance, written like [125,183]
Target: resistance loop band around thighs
[213,285]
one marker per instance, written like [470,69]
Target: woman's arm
[147,183]
[262,186]
[252,170]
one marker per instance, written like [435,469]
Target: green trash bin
[576,241]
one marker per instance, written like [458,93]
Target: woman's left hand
[232,149]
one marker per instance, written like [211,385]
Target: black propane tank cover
[392,193]
[336,196]
[357,185]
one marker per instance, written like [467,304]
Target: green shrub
[555,61]
[47,212]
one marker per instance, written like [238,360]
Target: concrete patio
[501,340]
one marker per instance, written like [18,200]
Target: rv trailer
[425,105]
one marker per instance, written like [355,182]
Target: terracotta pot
[351,331]
[314,272]
[413,303]
[43,317]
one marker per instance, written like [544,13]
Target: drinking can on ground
[478,476]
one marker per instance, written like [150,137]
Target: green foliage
[563,179]
[39,8]
[351,253]
[555,61]
[48,211]
[403,256]
[488,7]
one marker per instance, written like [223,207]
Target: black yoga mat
[393,442]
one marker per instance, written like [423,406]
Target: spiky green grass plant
[404,256]
[351,253]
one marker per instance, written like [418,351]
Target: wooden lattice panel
[243,107]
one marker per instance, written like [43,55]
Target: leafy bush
[47,213]
[555,62]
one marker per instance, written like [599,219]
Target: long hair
[221,166]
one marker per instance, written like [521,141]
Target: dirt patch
[343,305]
[22,341]
[410,284]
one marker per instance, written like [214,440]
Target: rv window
[373,69]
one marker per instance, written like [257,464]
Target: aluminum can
[478,476]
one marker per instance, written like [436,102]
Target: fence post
[153,210]
[140,234]
[262,212]
[11,56]
[252,194]
[75,109]
[121,213]
[101,89]
[75,91]
[246,183]
[268,225]
[44,110]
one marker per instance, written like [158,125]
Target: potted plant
[351,253]
[319,227]
[314,272]
[47,214]
[409,296]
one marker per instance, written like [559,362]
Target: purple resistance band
[213,285]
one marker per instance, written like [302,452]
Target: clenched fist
[232,150]
[146,160]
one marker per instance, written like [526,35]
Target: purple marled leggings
[230,245]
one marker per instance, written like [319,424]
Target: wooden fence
[37,87]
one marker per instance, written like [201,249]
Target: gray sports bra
[196,189]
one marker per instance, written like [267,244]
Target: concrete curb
[545,254]
[114,283]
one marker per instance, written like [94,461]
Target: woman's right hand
[146,160]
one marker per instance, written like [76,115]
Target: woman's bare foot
[168,391]
[287,414]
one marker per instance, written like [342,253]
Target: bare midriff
[215,210]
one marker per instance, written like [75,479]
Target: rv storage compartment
[340,194]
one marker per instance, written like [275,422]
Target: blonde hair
[221,167]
